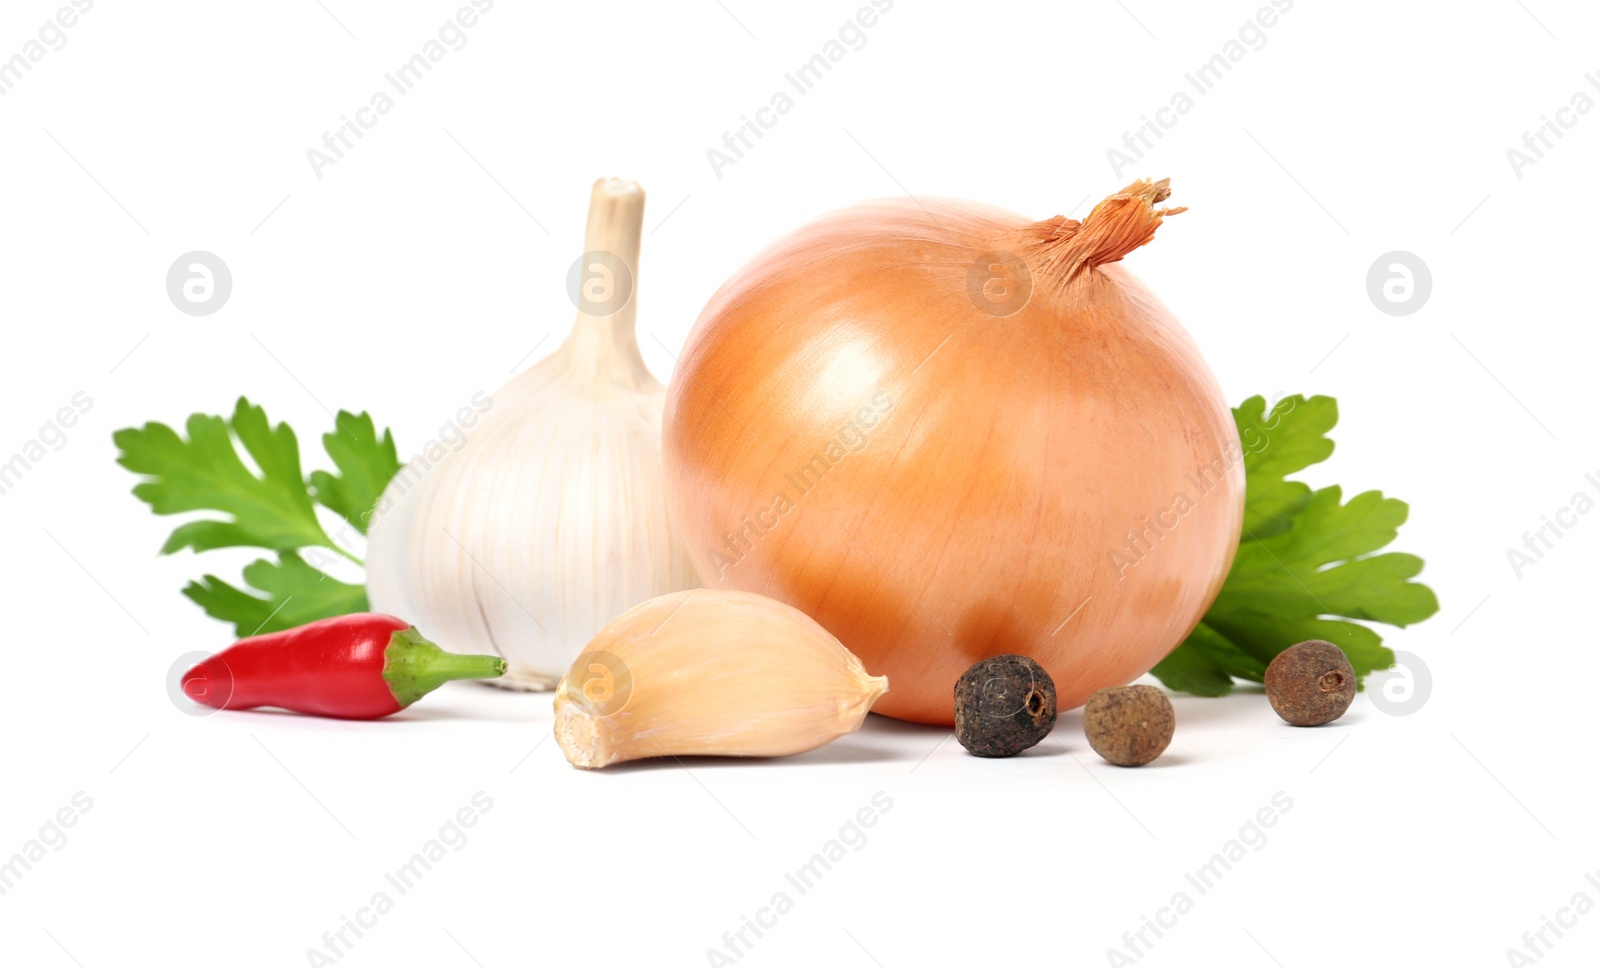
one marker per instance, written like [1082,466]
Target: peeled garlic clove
[710,673]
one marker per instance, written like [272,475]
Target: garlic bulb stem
[604,342]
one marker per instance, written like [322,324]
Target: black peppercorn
[1310,683]
[1004,705]
[1129,725]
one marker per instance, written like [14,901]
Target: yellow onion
[946,433]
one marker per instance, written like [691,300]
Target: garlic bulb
[551,519]
[710,672]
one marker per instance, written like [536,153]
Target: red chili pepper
[348,667]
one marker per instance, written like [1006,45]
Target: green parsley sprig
[274,509]
[1306,567]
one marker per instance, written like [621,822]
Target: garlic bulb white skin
[551,520]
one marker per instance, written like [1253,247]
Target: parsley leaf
[274,509]
[1293,437]
[205,473]
[1306,567]
[296,593]
[366,465]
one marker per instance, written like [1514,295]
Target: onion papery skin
[853,430]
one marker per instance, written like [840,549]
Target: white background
[426,265]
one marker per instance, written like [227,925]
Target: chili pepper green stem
[414,666]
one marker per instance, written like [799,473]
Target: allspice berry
[1004,705]
[1311,683]
[1129,725]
